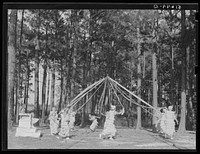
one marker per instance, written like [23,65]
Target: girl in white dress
[94,124]
[64,132]
[162,122]
[170,122]
[109,127]
[54,121]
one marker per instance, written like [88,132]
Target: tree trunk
[44,79]
[159,76]
[66,72]
[52,86]
[16,100]
[24,94]
[75,43]
[172,67]
[144,56]
[73,73]
[190,110]
[61,86]
[18,97]
[84,85]
[68,85]
[138,81]
[83,112]
[37,48]
[44,92]
[172,77]
[69,68]
[27,81]
[86,68]
[13,102]
[182,125]
[131,76]
[11,65]
[48,85]
[64,86]
[53,65]
[155,82]
[27,66]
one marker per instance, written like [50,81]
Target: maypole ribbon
[84,92]
[129,99]
[132,101]
[102,96]
[116,94]
[132,93]
[90,96]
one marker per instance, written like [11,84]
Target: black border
[97,5]
[72,5]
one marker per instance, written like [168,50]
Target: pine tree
[11,65]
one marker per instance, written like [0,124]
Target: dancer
[54,121]
[170,124]
[109,127]
[162,122]
[64,132]
[94,124]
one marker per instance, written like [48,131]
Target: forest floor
[82,138]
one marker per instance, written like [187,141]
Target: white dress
[163,123]
[170,124]
[64,132]
[54,122]
[94,123]
[109,127]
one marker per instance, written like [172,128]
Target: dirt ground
[84,139]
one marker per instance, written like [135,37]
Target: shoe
[67,138]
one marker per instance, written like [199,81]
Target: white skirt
[93,125]
[109,128]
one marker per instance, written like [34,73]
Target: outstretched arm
[97,117]
[175,118]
